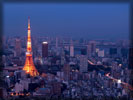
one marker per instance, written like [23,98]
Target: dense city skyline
[96,21]
[66,51]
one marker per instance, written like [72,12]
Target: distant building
[56,88]
[84,51]
[19,87]
[113,51]
[44,49]
[77,51]
[66,70]
[124,52]
[56,43]
[71,50]
[83,63]
[93,47]
[18,47]
[101,53]
[89,50]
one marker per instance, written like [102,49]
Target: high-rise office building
[66,71]
[83,63]
[89,50]
[101,53]
[44,49]
[71,49]
[113,51]
[93,47]
[18,47]
[56,43]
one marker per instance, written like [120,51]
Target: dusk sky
[79,20]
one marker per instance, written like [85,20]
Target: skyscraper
[44,49]
[18,47]
[89,50]
[56,42]
[66,71]
[93,47]
[83,63]
[29,65]
[71,49]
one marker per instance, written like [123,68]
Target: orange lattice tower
[29,65]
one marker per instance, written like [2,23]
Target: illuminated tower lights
[29,66]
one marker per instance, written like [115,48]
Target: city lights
[78,60]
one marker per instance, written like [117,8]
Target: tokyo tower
[29,66]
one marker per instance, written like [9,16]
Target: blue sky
[79,20]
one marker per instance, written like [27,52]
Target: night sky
[92,21]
